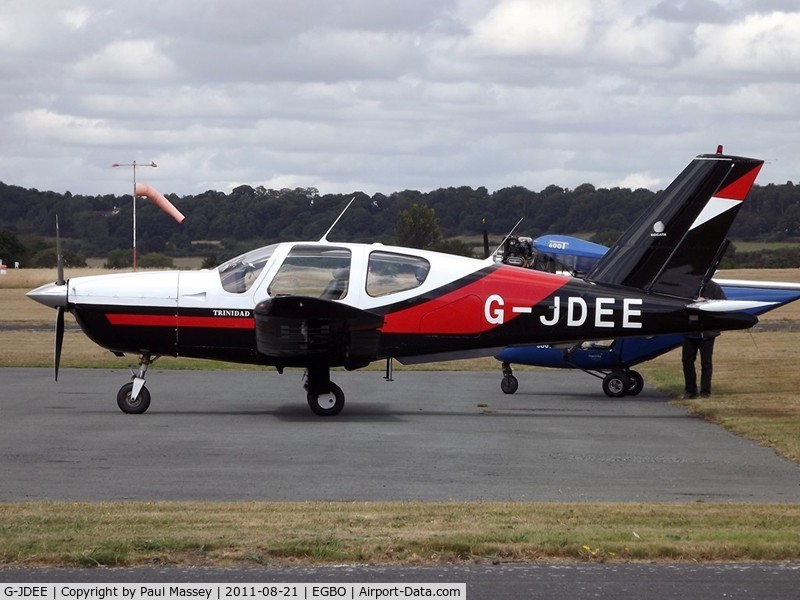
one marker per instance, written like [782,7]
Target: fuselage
[432,305]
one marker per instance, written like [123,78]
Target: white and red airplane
[318,305]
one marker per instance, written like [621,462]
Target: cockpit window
[319,271]
[238,274]
[390,273]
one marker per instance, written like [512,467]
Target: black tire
[509,384]
[615,384]
[327,405]
[137,407]
[636,383]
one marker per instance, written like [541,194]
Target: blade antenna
[324,238]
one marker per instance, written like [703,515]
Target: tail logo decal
[658,230]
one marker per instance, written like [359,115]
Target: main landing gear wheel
[616,384]
[327,404]
[636,383]
[509,384]
[133,407]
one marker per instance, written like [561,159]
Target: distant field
[184,262]
[753,246]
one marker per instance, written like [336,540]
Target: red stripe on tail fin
[739,189]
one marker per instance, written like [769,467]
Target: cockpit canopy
[325,271]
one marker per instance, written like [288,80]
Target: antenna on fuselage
[324,238]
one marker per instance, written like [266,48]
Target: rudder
[674,245]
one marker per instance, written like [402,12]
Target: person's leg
[688,356]
[706,366]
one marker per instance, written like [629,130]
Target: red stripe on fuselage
[180,321]
[455,314]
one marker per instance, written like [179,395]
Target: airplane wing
[294,331]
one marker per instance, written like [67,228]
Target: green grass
[131,534]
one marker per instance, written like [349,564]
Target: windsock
[142,189]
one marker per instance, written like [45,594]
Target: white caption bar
[225,591]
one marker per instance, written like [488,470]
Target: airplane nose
[50,294]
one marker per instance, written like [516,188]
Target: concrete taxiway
[232,435]
[756,581]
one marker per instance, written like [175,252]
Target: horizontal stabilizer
[719,306]
[705,316]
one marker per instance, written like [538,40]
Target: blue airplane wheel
[133,407]
[329,404]
[616,384]
[509,384]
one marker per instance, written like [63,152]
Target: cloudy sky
[387,95]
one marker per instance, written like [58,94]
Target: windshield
[238,274]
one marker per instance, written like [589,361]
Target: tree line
[226,224]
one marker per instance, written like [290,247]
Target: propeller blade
[59,339]
[59,258]
[486,251]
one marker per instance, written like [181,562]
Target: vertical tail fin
[673,246]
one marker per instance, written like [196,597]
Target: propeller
[59,339]
[59,309]
[486,251]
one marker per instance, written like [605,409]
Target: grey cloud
[388,96]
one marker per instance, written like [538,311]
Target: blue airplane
[609,360]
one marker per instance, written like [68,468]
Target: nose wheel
[133,398]
[130,404]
